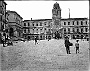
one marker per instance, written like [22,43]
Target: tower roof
[56,6]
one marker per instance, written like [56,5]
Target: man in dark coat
[67,45]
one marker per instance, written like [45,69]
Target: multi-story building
[40,28]
[76,27]
[72,27]
[2,18]
[15,28]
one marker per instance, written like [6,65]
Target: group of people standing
[68,44]
[5,39]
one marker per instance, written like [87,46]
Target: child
[77,46]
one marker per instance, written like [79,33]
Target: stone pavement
[45,56]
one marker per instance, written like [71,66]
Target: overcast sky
[43,9]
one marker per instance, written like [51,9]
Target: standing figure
[35,40]
[67,43]
[3,39]
[77,46]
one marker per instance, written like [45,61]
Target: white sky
[43,9]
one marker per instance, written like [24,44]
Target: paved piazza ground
[45,56]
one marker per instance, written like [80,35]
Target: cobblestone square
[44,56]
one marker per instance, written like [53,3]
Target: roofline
[61,19]
[37,20]
[75,19]
[5,2]
[8,11]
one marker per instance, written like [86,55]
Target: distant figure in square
[35,40]
[77,46]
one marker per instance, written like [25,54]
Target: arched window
[28,24]
[68,23]
[86,29]
[81,30]
[24,24]
[77,23]
[64,23]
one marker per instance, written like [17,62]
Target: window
[73,22]
[77,30]
[81,30]
[45,28]
[77,23]
[33,30]
[40,29]
[48,29]
[24,30]
[64,29]
[86,22]
[73,30]
[68,23]
[86,29]
[37,30]
[24,24]
[33,24]
[0,17]
[45,23]
[68,29]
[28,30]
[64,23]
[40,23]
[81,22]
[37,24]
[49,25]
[28,24]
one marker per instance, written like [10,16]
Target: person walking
[77,46]
[35,40]
[67,43]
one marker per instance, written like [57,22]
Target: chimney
[31,18]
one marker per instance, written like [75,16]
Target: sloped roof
[8,11]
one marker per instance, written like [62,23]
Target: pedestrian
[35,40]
[3,41]
[77,46]
[67,43]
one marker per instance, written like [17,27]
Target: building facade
[15,28]
[37,28]
[76,28]
[57,27]
[2,18]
